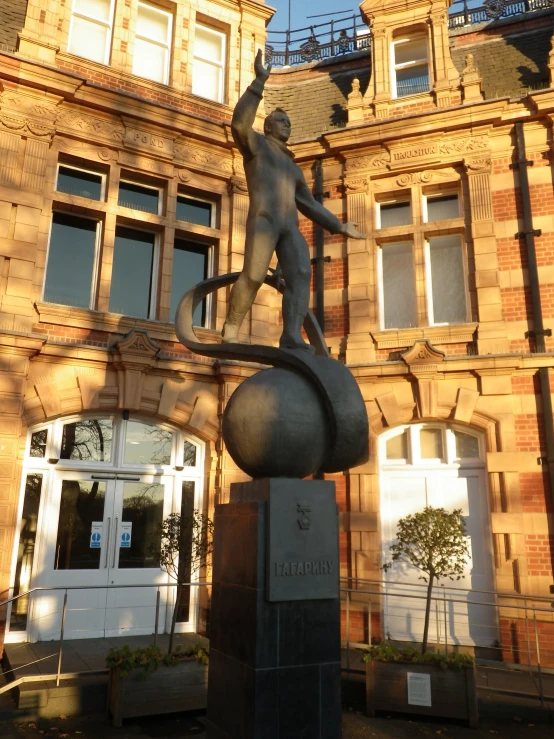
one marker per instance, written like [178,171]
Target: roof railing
[337,37]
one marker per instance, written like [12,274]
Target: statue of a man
[277,189]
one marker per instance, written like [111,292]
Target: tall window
[90,31]
[446,291]
[409,67]
[190,265]
[152,44]
[133,278]
[398,296]
[209,63]
[72,258]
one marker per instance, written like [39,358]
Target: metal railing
[344,35]
[66,590]
[523,624]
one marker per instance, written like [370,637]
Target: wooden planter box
[183,687]
[453,692]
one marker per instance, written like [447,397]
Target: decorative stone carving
[376,161]
[188,152]
[26,126]
[237,185]
[471,81]
[355,103]
[423,357]
[135,357]
[88,125]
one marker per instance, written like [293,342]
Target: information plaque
[419,689]
[302,540]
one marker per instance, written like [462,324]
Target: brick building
[120,186]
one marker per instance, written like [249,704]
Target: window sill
[454,334]
[65,315]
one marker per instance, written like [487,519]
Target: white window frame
[380,203]
[95,265]
[412,63]
[159,190]
[98,21]
[155,42]
[429,279]
[155,271]
[86,171]
[220,65]
[424,206]
[211,203]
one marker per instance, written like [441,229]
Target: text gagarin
[311,567]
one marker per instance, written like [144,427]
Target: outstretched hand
[350,229]
[261,71]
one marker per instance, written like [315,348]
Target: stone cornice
[455,334]
[502,363]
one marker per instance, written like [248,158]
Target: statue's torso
[272,178]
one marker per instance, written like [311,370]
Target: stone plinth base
[274,668]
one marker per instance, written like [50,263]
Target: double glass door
[106,543]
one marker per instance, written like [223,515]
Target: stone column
[378,91]
[359,347]
[447,79]
[492,335]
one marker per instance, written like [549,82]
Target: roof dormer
[411,62]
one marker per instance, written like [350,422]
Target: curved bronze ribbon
[343,403]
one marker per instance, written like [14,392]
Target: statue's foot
[295,344]
[230,334]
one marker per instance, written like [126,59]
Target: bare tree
[434,542]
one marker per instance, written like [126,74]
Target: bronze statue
[277,189]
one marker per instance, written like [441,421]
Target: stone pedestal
[274,668]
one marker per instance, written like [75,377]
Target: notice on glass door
[419,689]
[126,534]
[96,534]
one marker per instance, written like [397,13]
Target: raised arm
[309,207]
[245,110]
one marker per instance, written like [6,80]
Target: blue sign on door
[96,535]
[125,540]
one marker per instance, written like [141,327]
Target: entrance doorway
[443,467]
[104,487]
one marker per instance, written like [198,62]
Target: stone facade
[455,138]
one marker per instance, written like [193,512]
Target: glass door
[140,505]
[76,554]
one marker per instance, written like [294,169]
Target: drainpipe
[539,332]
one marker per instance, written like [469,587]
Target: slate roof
[12,20]
[510,65]
[511,55]
[318,103]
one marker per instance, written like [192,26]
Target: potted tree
[146,681]
[415,680]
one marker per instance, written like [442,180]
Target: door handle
[102,477]
[115,540]
[128,479]
[108,542]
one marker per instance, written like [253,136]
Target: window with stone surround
[128,263]
[72,261]
[421,260]
[208,74]
[90,30]
[409,66]
[152,51]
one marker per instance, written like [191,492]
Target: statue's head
[277,125]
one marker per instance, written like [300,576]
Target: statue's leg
[258,250]
[294,258]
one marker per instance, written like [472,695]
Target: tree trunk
[427,614]
[174,618]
